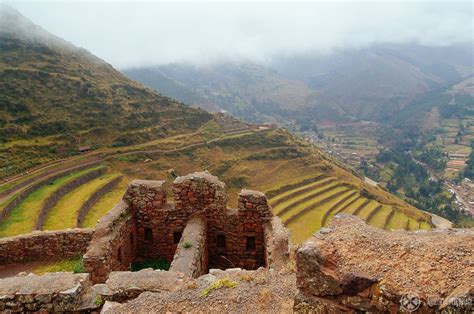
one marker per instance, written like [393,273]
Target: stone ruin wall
[44,245]
[191,258]
[145,226]
[113,245]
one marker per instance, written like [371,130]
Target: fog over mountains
[156,33]
[373,83]
[278,62]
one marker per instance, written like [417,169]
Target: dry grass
[225,282]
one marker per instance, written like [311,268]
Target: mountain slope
[54,96]
[373,83]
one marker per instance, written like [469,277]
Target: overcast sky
[143,33]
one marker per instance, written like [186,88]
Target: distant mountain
[425,112]
[248,91]
[49,87]
[374,83]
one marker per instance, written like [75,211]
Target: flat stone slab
[45,284]
[146,279]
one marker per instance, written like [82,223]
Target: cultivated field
[307,206]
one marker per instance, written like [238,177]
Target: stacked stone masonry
[144,226]
[191,254]
[44,245]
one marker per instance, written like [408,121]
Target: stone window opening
[131,238]
[148,235]
[250,243]
[119,254]
[221,242]
[177,236]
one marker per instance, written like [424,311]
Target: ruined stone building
[195,232]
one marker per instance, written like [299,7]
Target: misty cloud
[134,34]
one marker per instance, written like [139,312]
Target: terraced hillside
[55,97]
[308,205]
[54,202]
[305,187]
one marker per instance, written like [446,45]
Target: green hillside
[55,97]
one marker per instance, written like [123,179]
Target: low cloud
[135,34]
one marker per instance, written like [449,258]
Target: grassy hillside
[55,97]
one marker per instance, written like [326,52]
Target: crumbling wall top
[255,200]
[201,176]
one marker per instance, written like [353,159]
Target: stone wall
[235,236]
[44,245]
[144,226]
[191,255]
[57,292]
[353,267]
[113,245]
[157,222]
[277,244]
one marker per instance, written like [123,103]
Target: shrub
[159,263]
[187,244]
[220,283]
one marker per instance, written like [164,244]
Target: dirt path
[11,270]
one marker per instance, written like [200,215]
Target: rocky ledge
[352,266]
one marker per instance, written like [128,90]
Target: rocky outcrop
[352,267]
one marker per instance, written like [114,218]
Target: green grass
[296,209]
[104,205]
[365,212]
[398,221]
[280,207]
[310,222]
[298,189]
[22,219]
[74,264]
[338,207]
[351,209]
[378,219]
[64,214]
[218,284]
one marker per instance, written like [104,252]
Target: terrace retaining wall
[53,199]
[44,245]
[24,194]
[94,198]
